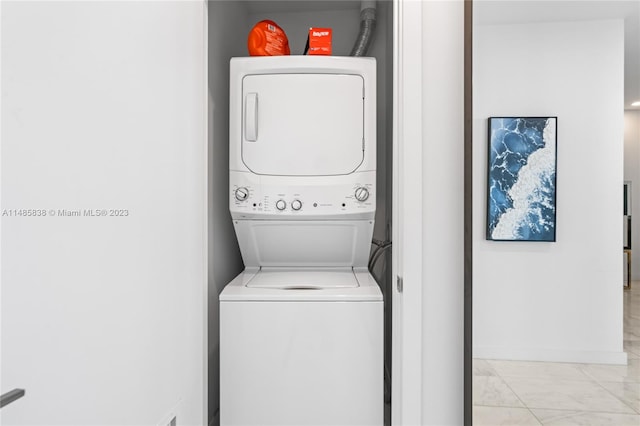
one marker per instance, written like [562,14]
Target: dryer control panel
[270,197]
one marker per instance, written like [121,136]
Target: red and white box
[320,41]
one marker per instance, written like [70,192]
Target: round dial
[281,204]
[242,193]
[296,204]
[362,194]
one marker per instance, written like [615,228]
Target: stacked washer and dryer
[301,328]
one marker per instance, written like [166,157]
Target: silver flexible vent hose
[367,26]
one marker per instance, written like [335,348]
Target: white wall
[632,173]
[557,301]
[103,107]
[226,20]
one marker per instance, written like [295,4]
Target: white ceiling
[489,12]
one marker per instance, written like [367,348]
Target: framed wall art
[521,184]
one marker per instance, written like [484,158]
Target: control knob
[362,194]
[281,205]
[296,204]
[242,193]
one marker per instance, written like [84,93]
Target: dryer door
[303,124]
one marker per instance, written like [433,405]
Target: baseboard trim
[547,355]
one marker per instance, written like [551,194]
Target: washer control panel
[258,195]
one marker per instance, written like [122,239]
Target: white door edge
[406,403]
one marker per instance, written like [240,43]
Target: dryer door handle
[251,117]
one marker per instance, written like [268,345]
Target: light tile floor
[549,393]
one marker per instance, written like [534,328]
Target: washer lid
[366,290]
[304,279]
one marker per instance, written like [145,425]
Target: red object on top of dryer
[266,38]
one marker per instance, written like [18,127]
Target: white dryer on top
[303,159]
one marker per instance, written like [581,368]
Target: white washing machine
[301,329]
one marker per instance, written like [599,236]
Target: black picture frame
[521,178]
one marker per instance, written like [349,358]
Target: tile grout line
[500,406]
[589,379]
[635,411]
[515,393]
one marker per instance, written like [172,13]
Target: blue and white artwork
[522,179]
